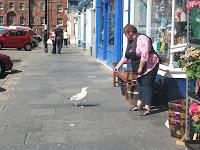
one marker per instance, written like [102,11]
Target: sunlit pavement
[35,115]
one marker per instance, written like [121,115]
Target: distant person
[52,36]
[66,36]
[59,38]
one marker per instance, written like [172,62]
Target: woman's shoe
[148,112]
[136,108]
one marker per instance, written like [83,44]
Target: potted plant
[190,62]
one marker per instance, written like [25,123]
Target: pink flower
[194,108]
[193,4]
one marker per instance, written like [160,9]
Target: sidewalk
[36,115]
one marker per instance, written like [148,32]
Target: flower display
[190,62]
[193,4]
[194,111]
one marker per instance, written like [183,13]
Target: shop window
[1,5]
[180,23]
[195,25]
[141,15]
[1,20]
[111,22]
[161,20]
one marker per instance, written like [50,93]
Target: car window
[2,31]
[12,33]
[21,33]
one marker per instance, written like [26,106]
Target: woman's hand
[139,70]
[116,69]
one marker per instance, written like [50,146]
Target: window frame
[1,19]
[58,21]
[10,6]
[58,8]
[1,5]
[21,7]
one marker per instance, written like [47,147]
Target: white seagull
[79,96]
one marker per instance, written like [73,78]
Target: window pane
[59,8]
[141,15]
[42,20]
[161,26]
[42,6]
[21,6]
[32,20]
[11,5]
[1,5]
[59,21]
[1,20]
[22,20]
[195,26]
[180,22]
[111,21]
[21,33]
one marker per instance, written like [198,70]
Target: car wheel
[28,47]
[1,45]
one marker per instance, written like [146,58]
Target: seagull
[79,96]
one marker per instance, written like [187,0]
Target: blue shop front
[109,29]
[164,21]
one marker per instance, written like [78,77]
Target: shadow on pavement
[16,60]
[2,89]
[15,71]
[2,76]
[88,105]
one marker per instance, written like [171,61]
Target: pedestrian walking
[66,36]
[145,64]
[59,38]
[52,36]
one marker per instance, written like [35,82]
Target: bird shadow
[88,105]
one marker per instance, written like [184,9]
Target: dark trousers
[54,46]
[59,43]
[65,42]
[145,85]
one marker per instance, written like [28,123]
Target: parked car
[12,38]
[6,63]
[36,39]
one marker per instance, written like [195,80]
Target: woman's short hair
[130,28]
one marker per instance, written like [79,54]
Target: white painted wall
[88,30]
[82,27]
[125,21]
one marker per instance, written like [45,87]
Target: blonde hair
[130,28]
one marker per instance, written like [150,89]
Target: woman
[52,37]
[145,63]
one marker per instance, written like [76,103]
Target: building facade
[32,13]
[86,26]
[165,21]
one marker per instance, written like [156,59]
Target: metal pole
[29,14]
[46,28]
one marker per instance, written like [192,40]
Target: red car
[12,38]
[6,63]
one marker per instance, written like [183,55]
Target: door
[11,40]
